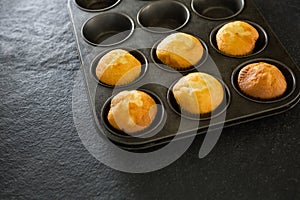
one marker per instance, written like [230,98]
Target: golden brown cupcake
[198,93]
[118,67]
[237,38]
[132,111]
[262,80]
[180,51]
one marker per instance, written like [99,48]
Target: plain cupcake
[118,67]
[132,111]
[262,81]
[237,38]
[180,51]
[198,93]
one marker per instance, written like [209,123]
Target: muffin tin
[138,26]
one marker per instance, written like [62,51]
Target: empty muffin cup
[206,116]
[286,72]
[260,44]
[163,66]
[163,16]
[96,5]
[151,130]
[217,9]
[107,29]
[136,53]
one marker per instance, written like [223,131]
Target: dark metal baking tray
[156,80]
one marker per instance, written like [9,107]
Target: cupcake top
[262,80]
[198,93]
[237,38]
[180,51]
[132,111]
[118,67]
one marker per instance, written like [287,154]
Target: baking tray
[156,79]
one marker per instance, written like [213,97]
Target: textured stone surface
[41,155]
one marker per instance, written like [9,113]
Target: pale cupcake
[180,51]
[237,38]
[198,93]
[118,67]
[132,111]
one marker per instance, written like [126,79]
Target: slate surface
[42,157]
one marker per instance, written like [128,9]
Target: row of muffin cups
[160,115]
[211,10]
[156,17]
[184,52]
[118,27]
[174,104]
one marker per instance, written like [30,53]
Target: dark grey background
[42,157]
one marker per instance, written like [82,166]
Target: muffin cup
[163,16]
[163,66]
[206,116]
[96,5]
[217,9]
[287,72]
[260,44]
[149,131]
[136,53]
[107,29]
